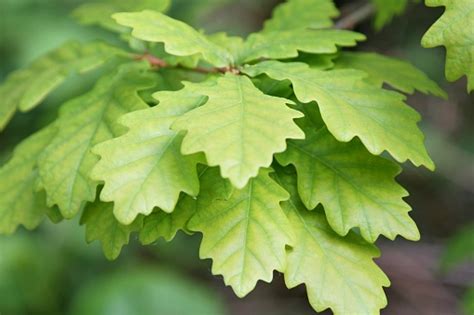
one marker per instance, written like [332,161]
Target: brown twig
[357,16]
[159,63]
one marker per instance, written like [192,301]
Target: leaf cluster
[281,148]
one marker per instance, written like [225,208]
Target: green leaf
[298,14]
[387,10]
[401,75]
[83,122]
[101,225]
[245,235]
[19,201]
[179,38]
[455,31]
[239,128]
[164,225]
[356,188]
[459,249]
[100,12]
[26,88]
[338,272]
[287,44]
[144,168]
[351,108]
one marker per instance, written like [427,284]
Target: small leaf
[300,14]
[401,75]
[19,201]
[144,168]
[24,89]
[100,12]
[179,38]
[102,226]
[351,108]
[166,225]
[83,122]
[459,249]
[455,31]
[387,10]
[239,128]
[356,188]
[245,235]
[338,272]
[287,44]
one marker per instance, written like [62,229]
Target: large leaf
[387,10]
[401,75]
[179,38]
[356,188]
[144,168]
[100,12]
[298,14]
[287,44]
[351,108]
[239,128]
[455,31]
[26,88]
[19,201]
[245,234]
[66,163]
[101,225]
[338,272]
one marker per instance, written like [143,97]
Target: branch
[355,17]
[159,63]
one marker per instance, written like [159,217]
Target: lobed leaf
[179,38]
[66,163]
[101,225]
[239,128]
[300,14]
[455,31]
[356,188]
[144,168]
[287,44]
[351,108]
[386,10]
[20,203]
[24,89]
[245,234]
[338,272]
[401,75]
[164,225]
[100,12]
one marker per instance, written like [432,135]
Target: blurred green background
[53,271]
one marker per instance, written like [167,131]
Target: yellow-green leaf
[352,108]
[338,272]
[20,203]
[356,188]
[246,234]
[24,89]
[239,128]
[179,38]
[66,163]
[455,31]
[144,168]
